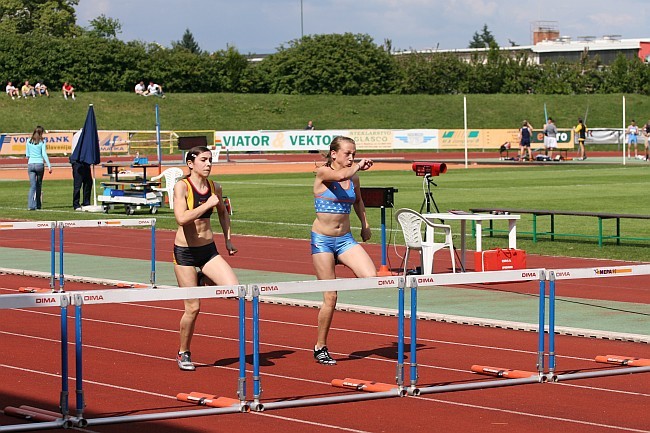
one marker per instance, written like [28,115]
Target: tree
[188,43]
[483,40]
[342,64]
[48,17]
[105,27]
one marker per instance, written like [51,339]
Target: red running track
[129,369]
[261,253]
[129,350]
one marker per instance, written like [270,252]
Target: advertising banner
[564,138]
[115,142]
[305,140]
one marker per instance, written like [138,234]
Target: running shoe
[322,356]
[184,361]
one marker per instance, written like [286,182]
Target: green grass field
[280,205]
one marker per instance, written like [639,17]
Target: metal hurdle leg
[78,301]
[61,278]
[241,386]
[542,316]
[63,399]
[399,375]
[551,325]
[53,256]
[257,387]
[414,319]
[152,280]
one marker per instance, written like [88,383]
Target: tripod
[428,195]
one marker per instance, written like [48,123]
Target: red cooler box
[499,259]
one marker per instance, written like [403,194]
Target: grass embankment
[127,111]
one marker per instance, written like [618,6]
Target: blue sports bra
[335,199]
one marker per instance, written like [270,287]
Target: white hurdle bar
[136,222]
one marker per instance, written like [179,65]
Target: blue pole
[383,236]
[153,254]
[158,145]
[414,319]
[79,357]
[241,390]
[542,315]
[63,403]
[61,278]
[257,389]
[400,333]
[551,323]
[53,256]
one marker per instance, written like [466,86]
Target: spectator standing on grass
[36,159]
[195,199]
[525,134]
[82,178]
[336,191]
[632,138]
[41,89]
[580,137]
[646,132]
[68,90]
[550,137]
[28,90]
[12,91]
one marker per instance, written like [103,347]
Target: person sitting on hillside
[12,91]
[140,89]
[68,90]
[154,89]
[41,89]
[28,90]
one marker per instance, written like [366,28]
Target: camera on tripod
[429,168]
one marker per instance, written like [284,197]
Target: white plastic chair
[171,175]
[411,223]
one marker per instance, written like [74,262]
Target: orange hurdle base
[131,286]
[34,290]
[32,414]
[623,360]
[502,372]
[362,385]
[203,399]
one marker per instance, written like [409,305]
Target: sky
[261,26]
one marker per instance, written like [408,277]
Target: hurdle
[38,300]
[164,293]
[589,273]
[40,225]
[283,288]
[474,278]
[139,222]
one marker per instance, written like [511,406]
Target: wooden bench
[552,213]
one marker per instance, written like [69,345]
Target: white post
[465,125]
[624,130]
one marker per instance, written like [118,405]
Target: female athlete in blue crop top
[335,195]
[194,200]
